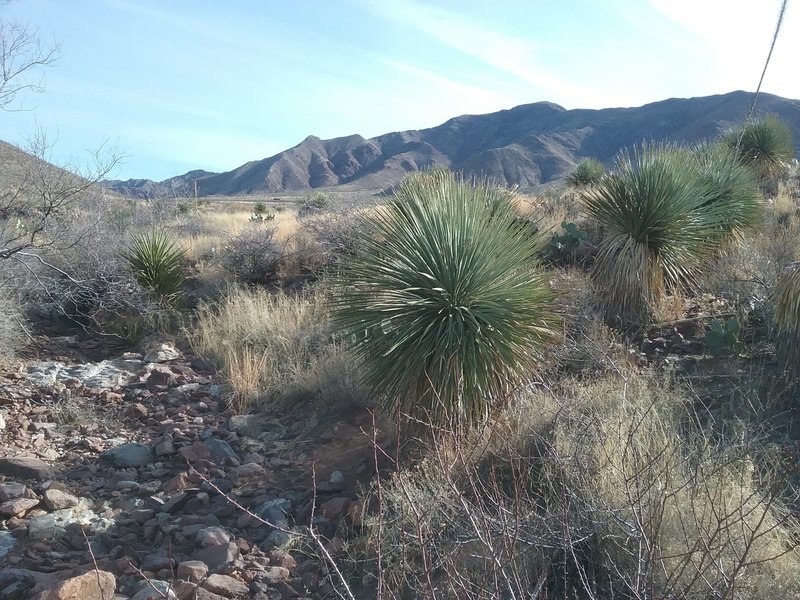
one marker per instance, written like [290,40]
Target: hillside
[529,145]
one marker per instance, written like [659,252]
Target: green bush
[765,145]
[588,173]
[665,210]
[443,303]
[156,262]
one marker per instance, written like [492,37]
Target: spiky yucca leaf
[732,190]
[444,304]
[156,262]
[588,173]
[665,210]
[765,145]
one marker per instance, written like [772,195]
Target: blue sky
[179,84]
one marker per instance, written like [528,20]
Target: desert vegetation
[587,393]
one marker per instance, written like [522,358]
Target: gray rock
[163,353]
[154,588]
[220,450]
[192,570]
[26,468]
[336,481]
[12,489]
[243,423]
[54,525]
[107,374]
[130,455]
[7,542]
[212,536]
[17,507]
[217,556]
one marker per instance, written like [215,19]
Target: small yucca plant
[665,209]
[443,303]
[787,318]
[156,262]
[588,173]
[764,145]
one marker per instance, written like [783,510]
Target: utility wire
[764,71]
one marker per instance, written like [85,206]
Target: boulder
[192,570]
[17,507]
[56,500]
[26,467]
[163,353]
[130,455]
[92,585]
[217,556]
[225,586]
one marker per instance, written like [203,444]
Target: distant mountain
[528,146]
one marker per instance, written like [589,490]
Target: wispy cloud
[517,57]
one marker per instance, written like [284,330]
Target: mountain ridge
[527,145]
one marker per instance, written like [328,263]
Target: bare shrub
[253,255]
[606,489]
[13,335]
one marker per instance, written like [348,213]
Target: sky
[176,85]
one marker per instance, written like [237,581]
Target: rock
[336,481]
[130,455]
[26,468]
[177,484]
[220,450]
[217,556]
[250,472]
[56,500]
[92,585]
[161,376]
[226,586]
[195,452]
[334,508]
[155,590]
[243,423]
[279,558]
[11,490]
[137,411]
[274,575]
[17,507]
[212,536]
[163,353]
[192,570]
[107,374]
[155,561]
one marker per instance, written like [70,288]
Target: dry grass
[274,346]
[596,489]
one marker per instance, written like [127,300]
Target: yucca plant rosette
[444,303]
[665,209]
[156,262]
[786,297]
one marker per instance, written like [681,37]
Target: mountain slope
[528,145]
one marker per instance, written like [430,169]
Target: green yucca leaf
[156,262]
[588,173]
[786,297]
[765,145]
[444,303]
[666,209]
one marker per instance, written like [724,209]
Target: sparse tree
[22,58]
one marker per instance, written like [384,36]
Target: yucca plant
[588,173]
[731,190]
[787,319]
[156,262]
[665,210]
[765,145]
[444,303]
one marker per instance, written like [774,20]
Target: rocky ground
[129,478]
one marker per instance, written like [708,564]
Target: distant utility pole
[195,189]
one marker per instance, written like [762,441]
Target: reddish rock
[56,500]
[279,558]
[225,586]
[92,585]
[17,507]
[334,509]
[192,570]
[195,452]
[176,484]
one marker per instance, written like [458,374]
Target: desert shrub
[765,145]
[156,262]
[253,255]
[588,173]
[335,235]
[273,347]
[444,303]
[666,210]
[787,319]
[564,246]
[603,489]
[13,325]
